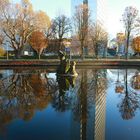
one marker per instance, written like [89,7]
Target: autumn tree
[136,45]
[41,21]
[98,37]
[38,42]
[2,51]
[81,21]
[61,26]
[15,21]
[131,22]
[135,82]
[1,39]
[18,21]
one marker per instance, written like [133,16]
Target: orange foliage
[38,42]
[136,44]
[38,85]
[119,89]
[136,82]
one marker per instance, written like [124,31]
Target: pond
[99,104]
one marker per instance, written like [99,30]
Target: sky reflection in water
[100,104]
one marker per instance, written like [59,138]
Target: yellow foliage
[2,52]
[120,37]
[42,20]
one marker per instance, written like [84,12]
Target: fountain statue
[66,67]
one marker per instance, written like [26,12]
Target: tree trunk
[82,49]
[59,44]
[35,53]
[126,87]
[96,50]
[18,54]
[39,56]
[105,50]
[127,44]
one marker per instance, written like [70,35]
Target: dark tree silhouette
[129,103]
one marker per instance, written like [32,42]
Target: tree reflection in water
[135,82]
[23,92]
[130,101]
[119,85]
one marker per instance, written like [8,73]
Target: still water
[99,104]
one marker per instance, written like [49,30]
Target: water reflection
[136,81]
[89,110]
[62,99]
[85,99]
[119,85]
[130,101]
[22,93]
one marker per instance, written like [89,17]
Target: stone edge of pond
[9,63]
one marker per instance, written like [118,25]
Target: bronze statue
[66,67]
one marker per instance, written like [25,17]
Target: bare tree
[98,37]
[50,32]
[130,102]
[130,20]
[61,26]
[81,21]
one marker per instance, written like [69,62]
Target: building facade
[98,9]
[121,43]
[98,15]
[89,116]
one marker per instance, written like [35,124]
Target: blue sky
[52,7]
[115,10]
